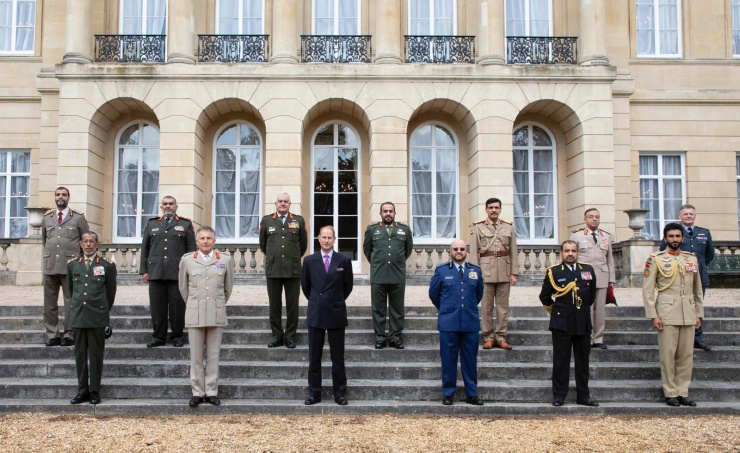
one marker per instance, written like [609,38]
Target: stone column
[491,37]
[284,31]
[593,41]
[388,32]
[79,32]
[181,29]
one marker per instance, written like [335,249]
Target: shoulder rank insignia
[578,230]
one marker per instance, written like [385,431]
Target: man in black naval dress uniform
[165,240]
[567,293]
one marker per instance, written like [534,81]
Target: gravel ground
[382,433]
[415,296]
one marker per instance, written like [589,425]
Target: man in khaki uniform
[675,312]
[595,248]
[62,232]
[493,249]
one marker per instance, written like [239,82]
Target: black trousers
[562,343]
[89,346]
[165,301]
[274,295]
[336,351]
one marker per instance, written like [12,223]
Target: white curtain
[25,22]
[156,20]
[3,199]
[228,17]
[534,184]
[138,159]
[420,13]
[668,11]
[444,11]
[539,18]
[6,26]
[252,24]
[645,18]
[348,15]
[324,17]
[515,18]
[649,195]
[131,14]
[736,27]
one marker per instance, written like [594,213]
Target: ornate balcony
[541,50]
[440,49]
[130,48]
[232,48]
[335,48]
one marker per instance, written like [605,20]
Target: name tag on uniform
[179,228]
[377,232]
[401,232]
[155,229]
[449,277]
[98,271]
[271,229]
[473,275]
[561,280]
[586,275]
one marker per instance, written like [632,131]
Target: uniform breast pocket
[195,277]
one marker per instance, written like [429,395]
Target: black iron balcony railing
[541,50]
[232,48]
[440,49]
[130,48]
[336,48]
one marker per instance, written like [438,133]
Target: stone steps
[255,379]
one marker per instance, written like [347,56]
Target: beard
[61,204]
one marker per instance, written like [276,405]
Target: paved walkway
[415,296]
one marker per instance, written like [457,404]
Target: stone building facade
[552,106]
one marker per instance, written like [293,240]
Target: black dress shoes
[701,345]
[342,401]
[474,400]
[94,398]
[276,343]
[213,400]
[311,400]
[598,346]
[684,401]
[557,403]
[448,400]
[194,401]
[589,402]
[177,342]
[53,341]
[80,399]
[673,402]
[155,344]
[67,342]
[380,344]
[290,344]
[398,344]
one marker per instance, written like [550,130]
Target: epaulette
[70,260]
[105,259]
[587,264]
[178,217]
[402,224]
[480,221]
[605,232]
[684,252]
[76,212]
[443,264]
[153,218]
[504,221]
[580,229]
[188,254]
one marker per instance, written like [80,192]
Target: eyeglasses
[459,249]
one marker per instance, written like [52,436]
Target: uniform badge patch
[473,275]
[647,272]
[98,271]
[690,268]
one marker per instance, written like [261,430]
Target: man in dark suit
[567,293]
[62,231]
[456,290]
[283,241]
[698,241]
[165,240]
[92,282]
[326,281]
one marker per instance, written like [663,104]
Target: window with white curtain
[434,187]
[240,17]
[433,17]
[336,17]
[535,197]
[17,27]
[335,187]
[736,28]
[144,17]
[658,28]
[136,195]
[237,182]
[15,179]
[661,190]
[528,17]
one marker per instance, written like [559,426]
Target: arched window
[535,198]
[335,186]
[237,182]
[434,186]
[136,195]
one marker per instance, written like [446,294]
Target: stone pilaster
[284,31]
[79,32]
[388,32]
[491,36]
[593,40]
[181,30]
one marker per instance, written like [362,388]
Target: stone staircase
[625,379]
